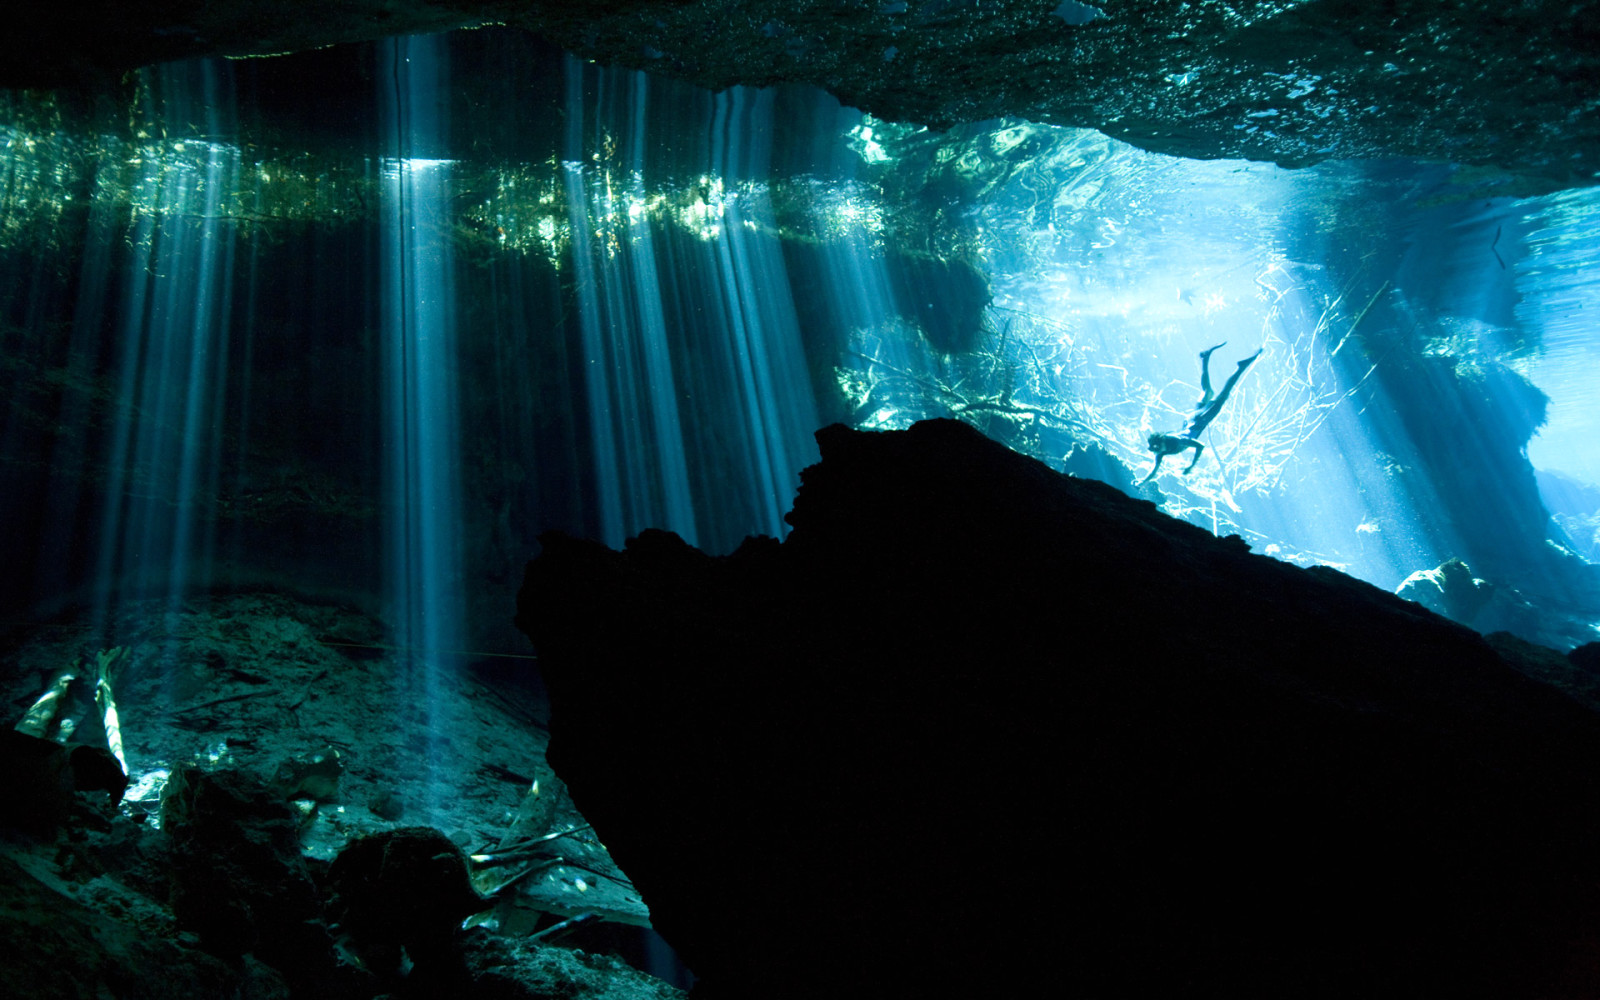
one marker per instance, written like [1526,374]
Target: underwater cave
[800,500]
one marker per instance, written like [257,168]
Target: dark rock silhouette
[239,880]
[407,889]
[977,728]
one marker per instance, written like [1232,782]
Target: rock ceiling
[1513,86]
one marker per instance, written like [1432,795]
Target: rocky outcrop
[266,862]
[239,882]
[404,893]
[1512,86]
[978,728]
[220,903]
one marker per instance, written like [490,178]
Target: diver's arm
[1153,469]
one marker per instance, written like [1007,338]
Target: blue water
[369,340]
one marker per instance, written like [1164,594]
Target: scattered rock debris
[264,736]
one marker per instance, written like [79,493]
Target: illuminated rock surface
[1512,86]
[976,728]
[234,893]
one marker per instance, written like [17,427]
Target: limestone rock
[406,888]
[1505,86]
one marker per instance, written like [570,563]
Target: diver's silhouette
[1206,411]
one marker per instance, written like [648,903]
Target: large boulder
[978,727]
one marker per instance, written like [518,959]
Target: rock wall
[1294,83]
[979,727]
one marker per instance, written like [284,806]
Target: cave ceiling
[1513,86]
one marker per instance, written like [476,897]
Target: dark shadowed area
[1080,748]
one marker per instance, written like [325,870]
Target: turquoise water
[363,323]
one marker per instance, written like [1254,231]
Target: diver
[1206,411]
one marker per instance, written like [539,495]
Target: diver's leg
[1205,417]
[1227,386]
[1202,419]
[1205,375]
